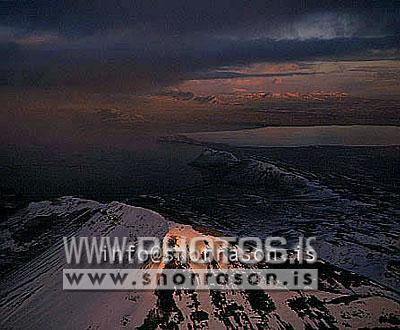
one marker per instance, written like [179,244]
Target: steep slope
[32,295]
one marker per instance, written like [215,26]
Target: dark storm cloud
[142,44]
[178,16]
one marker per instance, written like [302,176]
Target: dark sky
[138,45]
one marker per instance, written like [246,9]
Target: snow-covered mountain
[32,295]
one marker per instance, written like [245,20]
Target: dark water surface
[38,172]
[357,135]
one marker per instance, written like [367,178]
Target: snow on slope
[229,168]
[32,296]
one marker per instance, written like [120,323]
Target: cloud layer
[140,45]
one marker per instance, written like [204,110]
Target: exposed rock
[344,300]
[224,165]
[215,160]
